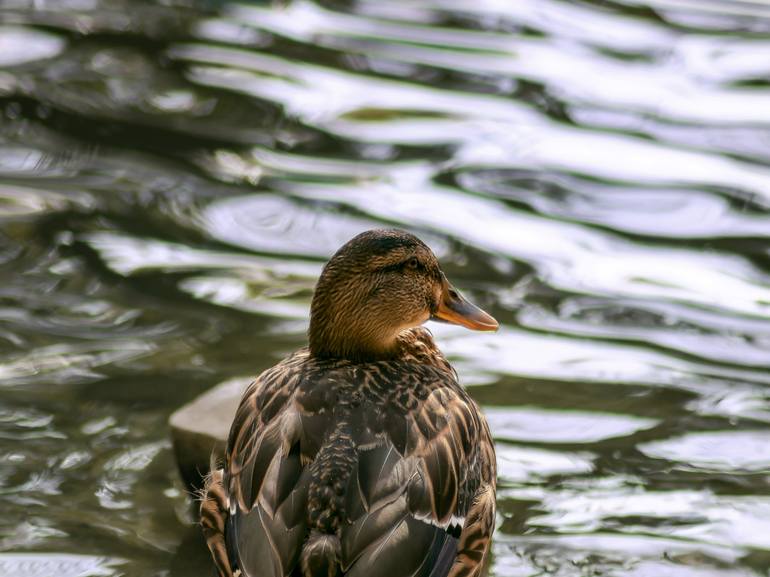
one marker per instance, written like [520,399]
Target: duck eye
[413,263]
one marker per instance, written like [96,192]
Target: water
[595,174]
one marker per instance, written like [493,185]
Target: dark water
[596,174]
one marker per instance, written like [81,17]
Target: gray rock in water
[199,429]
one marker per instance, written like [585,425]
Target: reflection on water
[173,174]
[731,451]
[46,564]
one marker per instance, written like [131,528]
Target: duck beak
[454,309]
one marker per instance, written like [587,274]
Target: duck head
[377,285]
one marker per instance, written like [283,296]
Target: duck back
[356,469]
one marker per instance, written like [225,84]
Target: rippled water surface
[594,173]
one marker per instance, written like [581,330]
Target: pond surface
[595,174]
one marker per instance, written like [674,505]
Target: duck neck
[353,341]
[344,327]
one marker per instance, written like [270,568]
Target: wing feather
[421,469]
[265,475]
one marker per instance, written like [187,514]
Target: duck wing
[265,476]
[416,482]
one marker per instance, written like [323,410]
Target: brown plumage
[360,455]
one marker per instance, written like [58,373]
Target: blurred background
[596,174]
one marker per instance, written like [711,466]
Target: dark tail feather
[445,557]
[320,555]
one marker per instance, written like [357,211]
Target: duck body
[357,467]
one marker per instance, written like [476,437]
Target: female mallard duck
[360,455]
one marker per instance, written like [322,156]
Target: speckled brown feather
[368,453]
[213,514]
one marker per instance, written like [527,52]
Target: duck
[360,454]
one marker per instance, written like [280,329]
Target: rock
[199,429]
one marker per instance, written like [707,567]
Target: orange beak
[453,308]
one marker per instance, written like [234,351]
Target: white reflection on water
[526,464]
[22,45]
[730,520]
[16,201]
[57,564]
[538,425]
[70,363]
[270,223]
[736,402]
[127,255]
[734,451]
[612,157]
[270,286]
[136,458]
[721,347]
[117,485]
[274,224]
[19,160]
[401,21]
[273,299]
